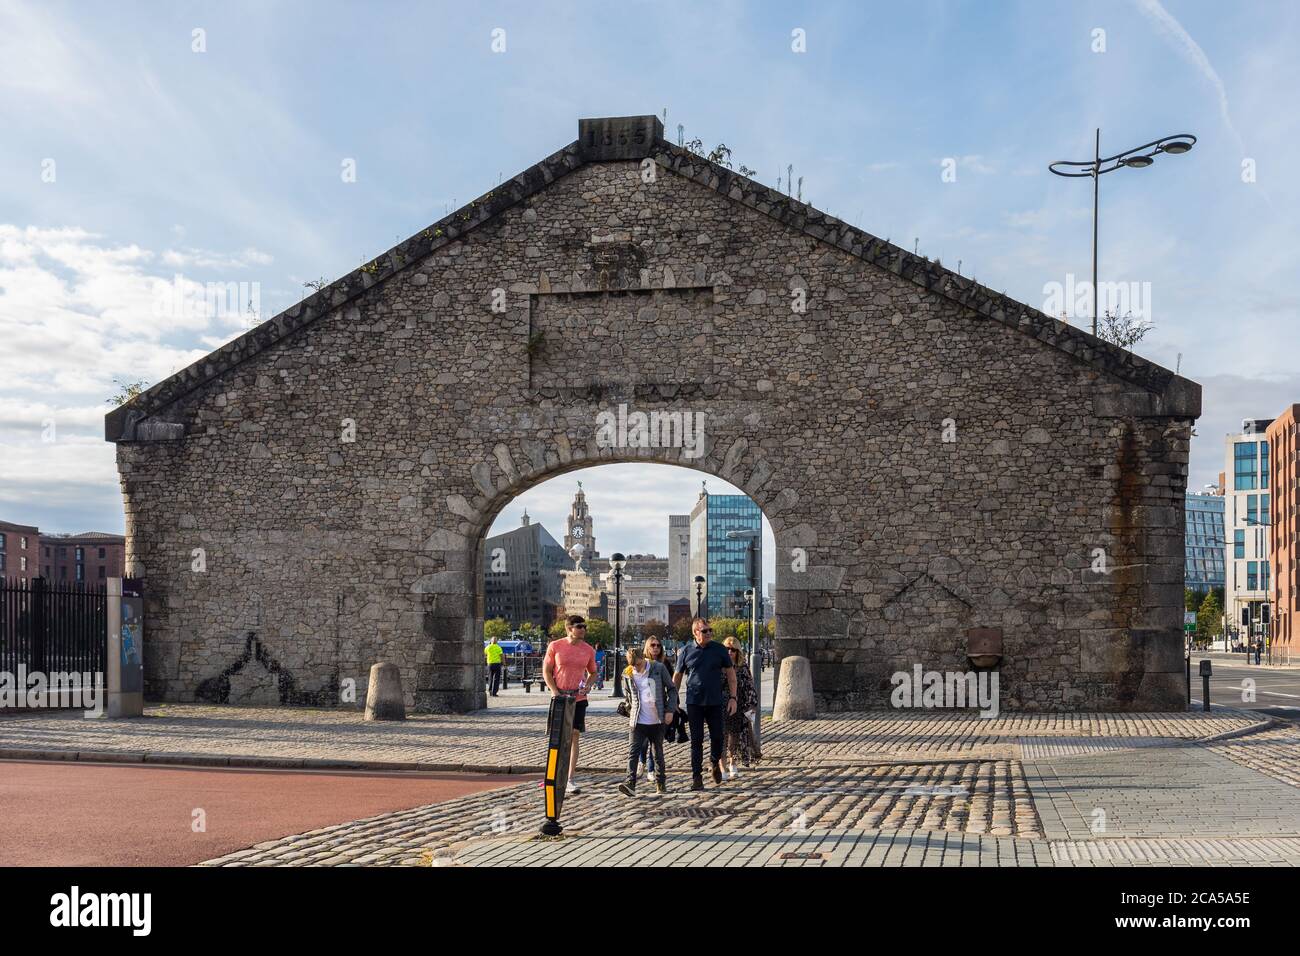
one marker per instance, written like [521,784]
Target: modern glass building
[722,560]
[1246,509]
[522,575]
[1204,542]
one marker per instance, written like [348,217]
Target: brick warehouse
[960,472]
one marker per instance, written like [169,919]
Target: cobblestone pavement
[1275,752]
[502,740]
[927,789]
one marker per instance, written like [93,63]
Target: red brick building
[19,551]
[90,557]
[1284,527]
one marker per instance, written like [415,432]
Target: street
[85,814]
[1277,689]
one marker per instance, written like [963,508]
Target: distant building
[1203,541]
[90,557]
[1283,438]
[19,551]
[721,560]
[679,552]
[1246,508]
[521,575]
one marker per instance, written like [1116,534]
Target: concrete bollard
[384,700]
[794,691]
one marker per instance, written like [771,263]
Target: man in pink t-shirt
[570,665]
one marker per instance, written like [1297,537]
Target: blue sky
[225,165]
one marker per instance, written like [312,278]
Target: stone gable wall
[325,556]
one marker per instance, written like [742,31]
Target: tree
[724,627]
[1122,330]
[654,628]
[682,630]
[1209,619]
[1190,602]
[599,633]
[497,627]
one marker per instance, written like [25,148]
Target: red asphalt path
[85,814]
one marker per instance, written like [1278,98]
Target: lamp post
[699,596]
[1140,157]
[755,655]
[616,563]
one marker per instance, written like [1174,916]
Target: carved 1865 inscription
[618,137]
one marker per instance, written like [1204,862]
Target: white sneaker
[731,773]
[641,773]
[572,787]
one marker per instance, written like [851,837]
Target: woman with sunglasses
[740,743]
[654,651]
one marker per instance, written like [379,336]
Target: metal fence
[53,626]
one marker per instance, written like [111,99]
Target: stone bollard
[384,700]
[794,691]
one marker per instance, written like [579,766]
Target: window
[1252,575]
[22,543]
[1243,465]
[1263,464]
[2,542]
[63,572]
[22,564]
[101,550]
[81,572]
[2,560]
[1239,543]
[81,554]
[1252,513]
[102,571]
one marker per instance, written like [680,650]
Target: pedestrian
[703,665]
[654,651]
[650,699]
[570,667]
[600,668]
[494,653]
[740,743]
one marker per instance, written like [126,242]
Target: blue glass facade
[721,560]
[1204,542]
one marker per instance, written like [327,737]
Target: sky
[150,146]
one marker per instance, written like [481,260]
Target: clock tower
[578,529]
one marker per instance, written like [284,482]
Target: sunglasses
[656,645]
[578,627]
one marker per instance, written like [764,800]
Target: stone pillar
[794,695]
[124,684]
[384,700]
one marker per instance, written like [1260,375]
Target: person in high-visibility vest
[495,654]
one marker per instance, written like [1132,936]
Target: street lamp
[1139,157]
[616,563]
[699,596]
[755,655]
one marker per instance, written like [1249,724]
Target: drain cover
[691,813]
[801,855]
[928,790]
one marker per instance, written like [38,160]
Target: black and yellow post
[558,745]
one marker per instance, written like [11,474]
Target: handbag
[623,709]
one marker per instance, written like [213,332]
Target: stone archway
[947,460]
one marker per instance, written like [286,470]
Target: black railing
[53,626]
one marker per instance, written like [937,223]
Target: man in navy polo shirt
[703,664]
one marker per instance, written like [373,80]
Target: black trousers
[494,678]
[697,715]
[640,739]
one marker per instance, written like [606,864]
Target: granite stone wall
[933,458]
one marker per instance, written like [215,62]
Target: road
[86,814]
[1277,689]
